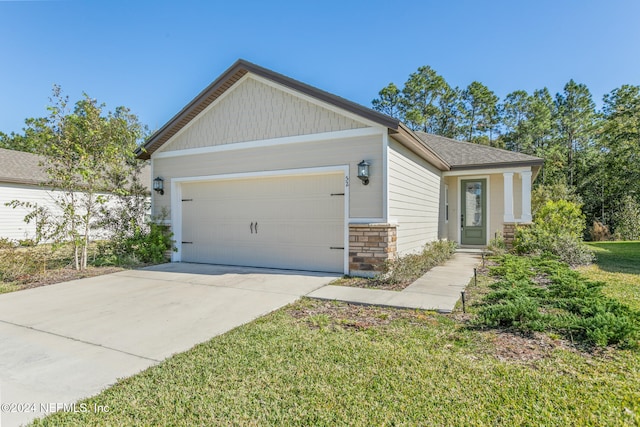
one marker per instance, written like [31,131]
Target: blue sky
[155,56]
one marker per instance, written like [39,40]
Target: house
[262,170]
[21,178]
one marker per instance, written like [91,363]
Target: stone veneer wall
[370,245]
[509,232]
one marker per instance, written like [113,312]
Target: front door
[473,219]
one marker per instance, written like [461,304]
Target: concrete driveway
[64,342]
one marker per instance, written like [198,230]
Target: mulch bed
[352,316]
[62,275]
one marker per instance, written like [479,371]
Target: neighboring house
[262,170]
[21,178]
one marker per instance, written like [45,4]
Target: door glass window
[473,199]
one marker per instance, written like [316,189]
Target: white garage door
[293,222]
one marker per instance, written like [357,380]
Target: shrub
[599,232]
[561,217]
[557,230]
[542,194]
[147,245]
[543,294]
[497,245]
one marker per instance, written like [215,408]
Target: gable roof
[466,155]
[235,73]
[18,167]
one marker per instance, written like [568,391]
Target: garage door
[293,222]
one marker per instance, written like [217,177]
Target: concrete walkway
[439,289]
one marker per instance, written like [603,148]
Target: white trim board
[487,171]
[176,199]
[298,139]
[385,175]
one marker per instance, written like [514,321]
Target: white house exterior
[20,178]
[261,170]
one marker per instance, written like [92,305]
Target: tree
[627,220]
[480,114]
[88,154]
[421,97]
[30,142]
[515,118]
[388,101]
[575,115]
[447,119]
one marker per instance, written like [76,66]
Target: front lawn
[324,363]
[618,265]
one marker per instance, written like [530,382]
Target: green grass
[418,368]
[8,287]
[618,265]
[618,257]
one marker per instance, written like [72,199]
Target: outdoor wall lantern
[158,185]
[363,172]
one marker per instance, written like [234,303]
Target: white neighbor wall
[12,225]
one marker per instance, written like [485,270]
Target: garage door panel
[299,221]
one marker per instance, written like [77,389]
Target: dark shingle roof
[18,167]
[466,155]
[21,168]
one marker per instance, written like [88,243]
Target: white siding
[12,225]
[414,198]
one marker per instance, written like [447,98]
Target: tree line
[591,155]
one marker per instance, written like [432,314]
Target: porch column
[526,196]
[508,196]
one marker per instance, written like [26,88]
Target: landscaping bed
[400,273]
[33,266]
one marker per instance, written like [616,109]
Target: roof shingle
[466,155]
[21,168]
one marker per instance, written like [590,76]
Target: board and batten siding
[365,200]
[253,110]
[414,198]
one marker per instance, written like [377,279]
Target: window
[446,203]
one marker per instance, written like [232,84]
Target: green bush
[543,294]
[497,245]
[561,217]
[147,245]
[557,230]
